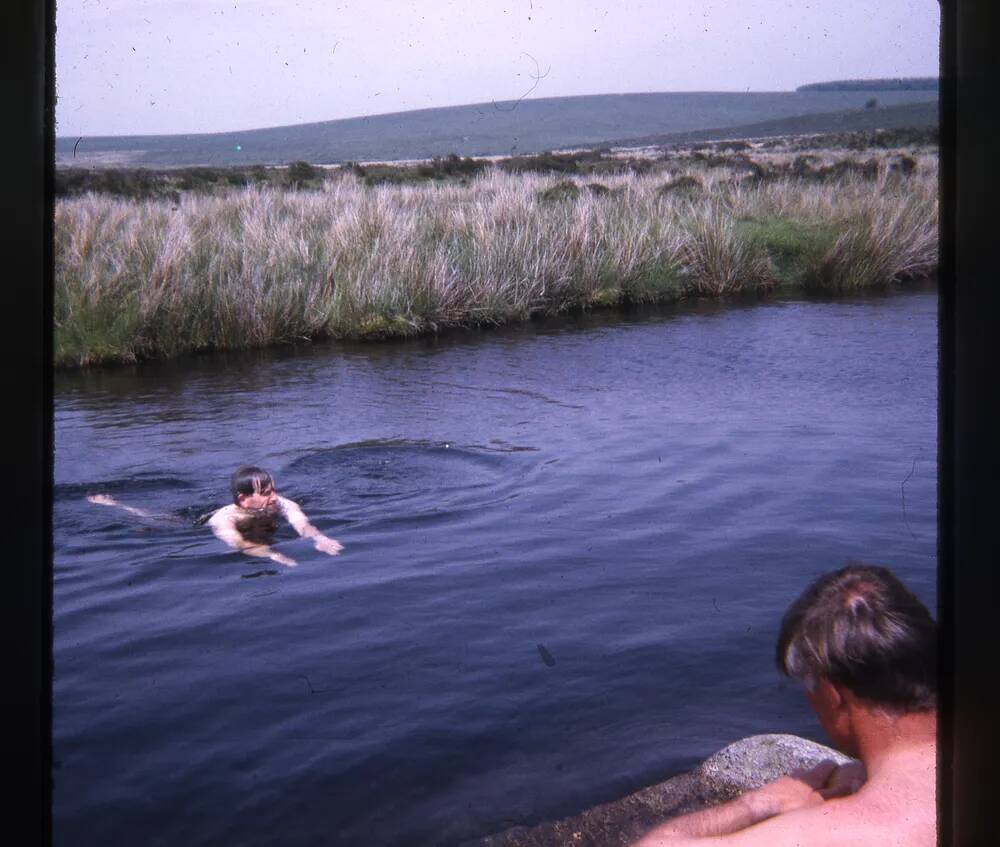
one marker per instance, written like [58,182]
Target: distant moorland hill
[906,116]
[909,83]
[514,127]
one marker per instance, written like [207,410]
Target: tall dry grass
[254,267]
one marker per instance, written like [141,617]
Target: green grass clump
[795,248]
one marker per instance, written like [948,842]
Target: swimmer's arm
[223,526]
[300,523]
[736,823]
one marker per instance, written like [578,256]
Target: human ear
[829,692]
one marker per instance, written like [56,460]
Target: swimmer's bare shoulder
[221,521]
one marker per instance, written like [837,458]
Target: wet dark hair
[248,479]
[861,628]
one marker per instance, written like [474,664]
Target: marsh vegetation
[318,254]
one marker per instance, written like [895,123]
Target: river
[568,546]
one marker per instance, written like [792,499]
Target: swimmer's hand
[328,545]
[282,559]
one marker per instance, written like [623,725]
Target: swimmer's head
[252,487]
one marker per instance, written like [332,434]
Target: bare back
[896,809]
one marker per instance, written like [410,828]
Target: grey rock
[759,759]
[742,766]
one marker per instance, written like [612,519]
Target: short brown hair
[861,628]
[248,479]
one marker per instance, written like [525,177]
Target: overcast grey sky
[169,66]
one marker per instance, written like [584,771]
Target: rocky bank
[741,766]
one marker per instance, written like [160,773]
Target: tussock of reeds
[258,266]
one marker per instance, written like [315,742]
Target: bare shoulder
[226,516]
[845,822]
[288,505]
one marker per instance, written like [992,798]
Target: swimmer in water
[248,523]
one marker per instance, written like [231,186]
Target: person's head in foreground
[865,649]
[858,634]
[252,488]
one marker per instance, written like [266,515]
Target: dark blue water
[640,495]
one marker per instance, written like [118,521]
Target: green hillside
[908,83]
[526,126]
[906,116]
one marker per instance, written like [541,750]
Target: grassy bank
[255,266]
